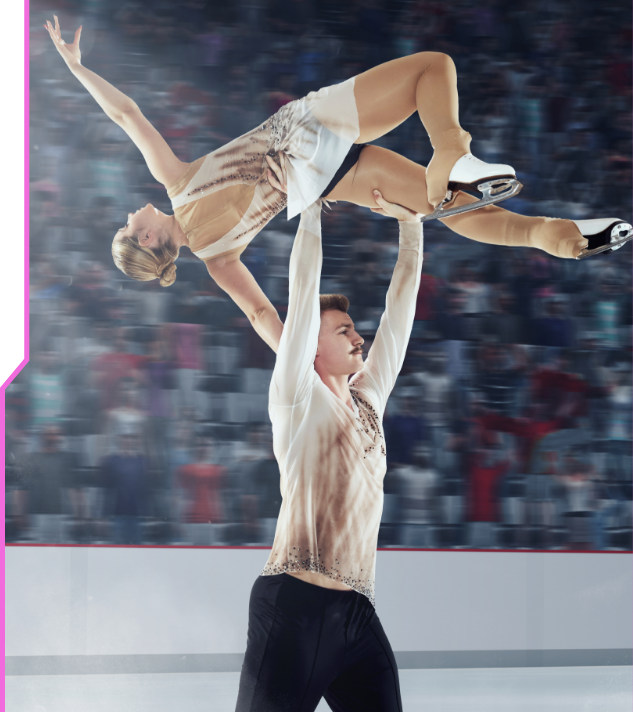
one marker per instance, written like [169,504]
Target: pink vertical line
[26,304]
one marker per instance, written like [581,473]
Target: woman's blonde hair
[143,263]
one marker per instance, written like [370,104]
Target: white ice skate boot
[495,181]
[604,234]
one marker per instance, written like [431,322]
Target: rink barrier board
[133,607]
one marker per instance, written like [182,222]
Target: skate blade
[623,230]
[494,191]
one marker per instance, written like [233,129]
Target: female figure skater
[316,146]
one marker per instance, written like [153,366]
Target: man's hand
[278,179]
[394,210]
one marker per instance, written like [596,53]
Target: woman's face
[145,221]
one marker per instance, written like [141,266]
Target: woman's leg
[388,94]
[399,181]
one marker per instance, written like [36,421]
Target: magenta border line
[25,358]
[268,548]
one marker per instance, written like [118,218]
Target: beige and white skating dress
[315,133]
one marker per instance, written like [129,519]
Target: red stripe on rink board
[256,548]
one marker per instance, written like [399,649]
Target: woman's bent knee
[429,59]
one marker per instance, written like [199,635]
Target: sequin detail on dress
[266,217]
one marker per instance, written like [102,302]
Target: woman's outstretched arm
[234,277]
[161,160]
[114,102]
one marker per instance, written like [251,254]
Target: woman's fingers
[55,36]
[276,169]
[282,160]
[278,181]
[51,31]
[273,180]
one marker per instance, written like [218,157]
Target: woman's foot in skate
[604,235]
[577,239]
[454,168]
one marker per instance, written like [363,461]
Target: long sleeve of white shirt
[294,365]
[386,355]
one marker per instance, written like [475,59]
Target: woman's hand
[277,176]
[394,210]
[69,52]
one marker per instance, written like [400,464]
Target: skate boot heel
[604,235]
[496,182]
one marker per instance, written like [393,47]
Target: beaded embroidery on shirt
[311,563]
[370,423]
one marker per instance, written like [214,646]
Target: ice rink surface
[535,689]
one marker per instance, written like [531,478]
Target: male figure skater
[313,631]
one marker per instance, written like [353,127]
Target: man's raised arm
[387,353]
[294,366]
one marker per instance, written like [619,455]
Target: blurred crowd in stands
[142,418]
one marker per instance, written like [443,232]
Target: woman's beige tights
[426,82]
[403,181]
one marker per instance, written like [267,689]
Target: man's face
[339,351]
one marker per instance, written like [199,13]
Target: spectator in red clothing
[529,429]
[558,389]
[487,466]
[109,369]
[204,482]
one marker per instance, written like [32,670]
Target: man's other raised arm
[294,366]
[387,353]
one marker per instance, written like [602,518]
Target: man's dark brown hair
[333,301]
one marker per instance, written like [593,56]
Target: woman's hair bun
[168,275]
